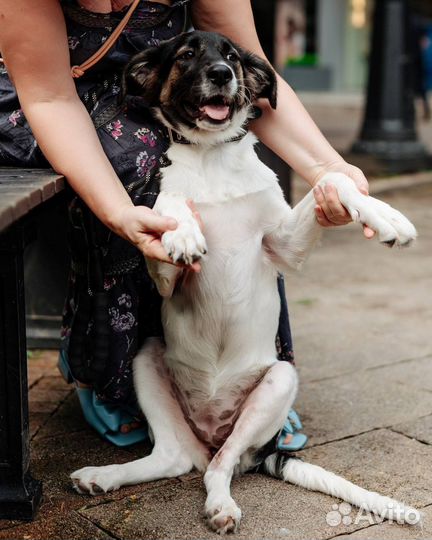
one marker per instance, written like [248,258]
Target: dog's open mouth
[216,110]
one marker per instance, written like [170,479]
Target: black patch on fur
[260,77]
[144,74]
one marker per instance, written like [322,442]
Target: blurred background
[363,69]
[324,45]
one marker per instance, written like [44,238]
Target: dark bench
[24,195]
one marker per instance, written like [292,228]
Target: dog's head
[200,83]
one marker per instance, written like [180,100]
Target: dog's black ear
[260,77]
[144,74]
[141,75]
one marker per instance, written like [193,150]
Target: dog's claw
[186,244]
[96,489]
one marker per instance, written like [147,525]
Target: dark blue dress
[112,304]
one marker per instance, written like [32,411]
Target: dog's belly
[220,325]
[212,418]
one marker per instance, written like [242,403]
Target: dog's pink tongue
[216,112]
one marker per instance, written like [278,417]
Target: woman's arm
[289,130]
[33,43]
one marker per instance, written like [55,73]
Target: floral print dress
[112,304]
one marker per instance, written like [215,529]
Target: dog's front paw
[186,244]
[96,480]
[223,515]
[392,227]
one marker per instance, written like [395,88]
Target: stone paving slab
[416,373]
[387,531]
[351,404]
[382,461]
[59,525]
[420,429]
[40,364]
[272,509]
[68,419]
[53,460]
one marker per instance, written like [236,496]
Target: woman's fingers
[328,200]
[151,246]
[368,232]
[158,224]
[330,212]
[144,228]
[337,210]
[321,218]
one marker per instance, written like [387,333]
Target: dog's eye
[187,55]
[232,57]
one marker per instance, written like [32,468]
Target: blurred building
[323,45]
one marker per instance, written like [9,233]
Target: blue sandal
[106,419]
[289,439]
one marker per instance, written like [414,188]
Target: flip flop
[105,418]
[289,440]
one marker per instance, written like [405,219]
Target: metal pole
[20,494]
[389,132]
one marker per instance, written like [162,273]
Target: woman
[111,156]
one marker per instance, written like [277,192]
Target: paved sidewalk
[362,322]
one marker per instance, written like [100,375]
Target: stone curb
[394,183]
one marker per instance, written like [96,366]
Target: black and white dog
[215,394]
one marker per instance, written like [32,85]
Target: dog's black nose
[219,74]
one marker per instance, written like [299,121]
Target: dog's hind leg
[263,414]
[313,477]
[176,449]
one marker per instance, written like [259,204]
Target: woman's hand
[329,210]
[144,228]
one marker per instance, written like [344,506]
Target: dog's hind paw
[223,516]
[186,244]
[96,480]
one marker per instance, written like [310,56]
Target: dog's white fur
[218,382]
